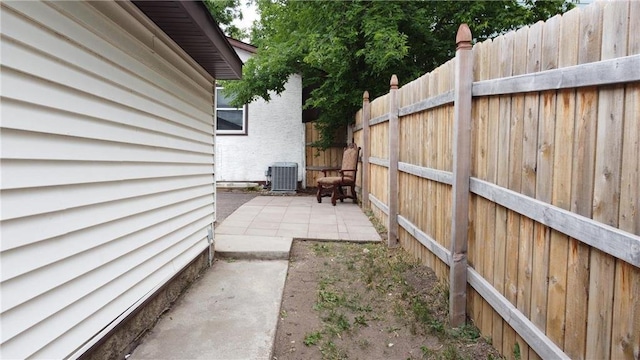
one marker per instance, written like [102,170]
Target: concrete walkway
[232,311]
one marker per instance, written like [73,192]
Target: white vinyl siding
[106,179]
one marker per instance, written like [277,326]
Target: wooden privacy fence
[317,159]
[513,170]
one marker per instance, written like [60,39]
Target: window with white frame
[230,120]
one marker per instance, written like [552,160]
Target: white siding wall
[106,175]
[275,134]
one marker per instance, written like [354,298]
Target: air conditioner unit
[284,176]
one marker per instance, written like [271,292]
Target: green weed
[330,351]
[321,248]
[466,332]
[360,320]
[312,338]
[451,353]
[516,351]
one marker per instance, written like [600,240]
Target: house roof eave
[191,26]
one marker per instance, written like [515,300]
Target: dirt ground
[365,301]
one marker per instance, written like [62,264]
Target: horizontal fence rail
[426,104]
[613,241]
[606,72]
[444,177]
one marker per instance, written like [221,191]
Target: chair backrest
[350,161]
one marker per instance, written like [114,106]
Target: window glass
[230,120]
[223,101]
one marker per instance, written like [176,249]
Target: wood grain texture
[590,40]
[366,139]
[501,330]
[540,344]
[529,175]
[427,104]
[478,140]
[515,183]
[607,72]
[561,195]
[625,336]
[485,317]
[606,198]
[544,176]
[444,177]
[460,193]
[608,239]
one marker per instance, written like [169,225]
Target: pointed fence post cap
[365,96]
[394,81]
[463,37]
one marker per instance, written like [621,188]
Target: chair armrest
[325,170]
[342,171]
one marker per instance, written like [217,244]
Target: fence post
[366,149]
[461,175]
[393,163]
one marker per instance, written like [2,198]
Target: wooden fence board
[472,254]
[440,131]
[431,162]
[364,138]
[544,178]
[590,35]
[503,335]
[437,159]
[561,196]
[626,315]
[515,183]
[484,312]
[419,150]
[607,183]
[474,303]
[626,312]
[491,318]
[529,159]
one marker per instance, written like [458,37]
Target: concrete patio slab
[300,217]
[230,313]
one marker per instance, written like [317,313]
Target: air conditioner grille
[284,176]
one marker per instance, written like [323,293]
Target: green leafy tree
[341,48]
[224,12]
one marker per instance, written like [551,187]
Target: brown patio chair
[346,178]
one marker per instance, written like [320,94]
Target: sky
[249,14]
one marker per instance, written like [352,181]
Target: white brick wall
[275,134]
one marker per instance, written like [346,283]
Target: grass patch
[321,249]
[372,286]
